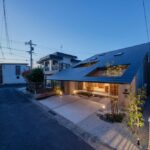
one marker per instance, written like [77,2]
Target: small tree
[135,118]
[25,74]
[35,75]
[112,71]
[114,106]
[35,79]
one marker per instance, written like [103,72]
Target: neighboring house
[112,74]
[56,62]
[11,73]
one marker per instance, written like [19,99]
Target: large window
[109,71]
[114,89]
[55,65]
[97,87]
[63,66]
[55,62]
[46,66]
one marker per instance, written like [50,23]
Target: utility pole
[30,52]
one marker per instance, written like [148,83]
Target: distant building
[56,62]
[11,73]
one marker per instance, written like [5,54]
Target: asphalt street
[24,126]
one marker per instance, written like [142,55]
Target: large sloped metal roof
[132,56]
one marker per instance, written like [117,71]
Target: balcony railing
[57,67]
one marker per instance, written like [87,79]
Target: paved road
[24,126]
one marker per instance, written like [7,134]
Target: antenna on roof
[61,47]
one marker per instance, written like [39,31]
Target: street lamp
[149,134]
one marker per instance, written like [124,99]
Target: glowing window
[110,71]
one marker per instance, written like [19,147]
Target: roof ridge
[147,43]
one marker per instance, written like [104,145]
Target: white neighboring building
[56,62]
[11,73]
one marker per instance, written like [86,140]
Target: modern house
[112,74]
[56,62]
[11,73]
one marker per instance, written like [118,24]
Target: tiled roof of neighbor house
[66,55]
[56,56]
[132,56]
[48,57]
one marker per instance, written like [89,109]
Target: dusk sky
[83,27]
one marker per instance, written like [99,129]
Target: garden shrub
[84,94]
[112,118]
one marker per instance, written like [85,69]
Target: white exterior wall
[9,73]
[66,60]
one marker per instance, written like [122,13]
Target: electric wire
[1,32]
[2,51]
[146,21]
[6,26]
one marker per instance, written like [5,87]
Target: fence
[35,87]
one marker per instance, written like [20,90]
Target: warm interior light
[103,106]
[60,93]
[74,92]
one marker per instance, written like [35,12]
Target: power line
[38,45]
[14,59]
[1,36]
[20,50]
[2,51]
[146,22]
[37,53]
[6,25]
[25,58]
[19,55]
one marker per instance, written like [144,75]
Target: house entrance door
[114,89]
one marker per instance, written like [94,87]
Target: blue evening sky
[83,27]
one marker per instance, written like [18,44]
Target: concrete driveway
[74,108]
